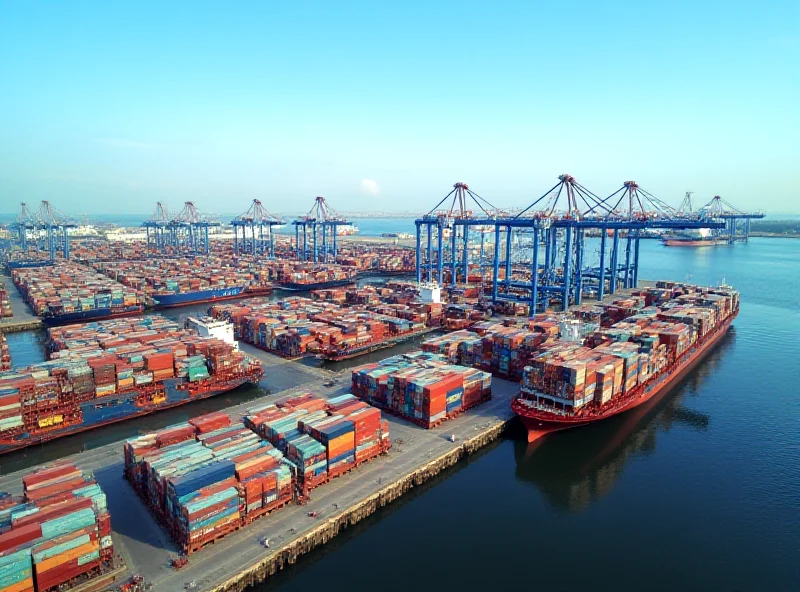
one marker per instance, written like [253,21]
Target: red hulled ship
[577,388]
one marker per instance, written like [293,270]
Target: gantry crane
[322,220]
[256,217]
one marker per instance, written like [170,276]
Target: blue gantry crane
[189,229]
[24,223]
[157,227]
[56,225]
[451,218]
[318,229]
[737,222]
[558,223]
[256,217]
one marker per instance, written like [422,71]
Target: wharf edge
[326,531]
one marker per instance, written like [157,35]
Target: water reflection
[574,468]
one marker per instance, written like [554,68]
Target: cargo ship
[103,373]
[548,409]
[171,299]
[701,237]
[53,318]
[306,287]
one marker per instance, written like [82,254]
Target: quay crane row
[559,220]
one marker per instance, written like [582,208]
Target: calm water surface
[700,492]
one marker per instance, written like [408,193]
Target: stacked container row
[421,387]
[296,326]
[5,303]
[659,325]
[206,478]
[323,439]
[58,533]
[5,360]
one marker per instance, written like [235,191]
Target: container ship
[67,292]
[171,299]
[307,284]
[621,367]
[106,372]
[701,237]
[172,282]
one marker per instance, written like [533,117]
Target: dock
[240,559]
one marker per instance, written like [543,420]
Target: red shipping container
[41,476]
[211,422]
[19,536]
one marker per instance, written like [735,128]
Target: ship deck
[147,548]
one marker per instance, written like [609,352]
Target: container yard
[57,534]
[264,546]
[67,292]
[207,478]
[298,326]
[109,371]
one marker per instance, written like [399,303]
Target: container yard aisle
[147,548]
[23,314]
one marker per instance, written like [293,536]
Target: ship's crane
[256,217]
[322,220]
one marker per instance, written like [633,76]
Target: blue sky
[108,107]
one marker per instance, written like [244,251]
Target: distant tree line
[776,226]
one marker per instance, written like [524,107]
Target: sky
[109,107]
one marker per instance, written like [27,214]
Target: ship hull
[96,314]
[677,242]
[162,301]
[121,407]
[538,426]
[294,287]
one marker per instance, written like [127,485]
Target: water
[699,492]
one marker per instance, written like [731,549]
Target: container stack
[422,388]
[321,438]
[207,477]
[5,361]
[58,533]
[656,328]
[294,327]
[66,289]
[5,303]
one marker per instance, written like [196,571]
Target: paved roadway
[147,548]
